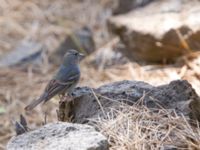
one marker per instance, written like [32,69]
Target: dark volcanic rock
[175,95]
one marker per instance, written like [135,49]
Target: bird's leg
[45,118]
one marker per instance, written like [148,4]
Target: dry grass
[140,128]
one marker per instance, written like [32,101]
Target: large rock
[162,30]
[60,136]
[90,103]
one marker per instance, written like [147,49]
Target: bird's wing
[70,80]
[56,86]
[52,88]
[67,74]
[64,79]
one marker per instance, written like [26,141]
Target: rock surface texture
[60,136]
[177,95]
[162,30]
[124,6]
[25,53]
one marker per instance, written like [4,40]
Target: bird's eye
[76,54]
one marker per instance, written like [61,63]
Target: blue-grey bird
[64,81]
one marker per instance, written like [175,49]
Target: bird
[64,81]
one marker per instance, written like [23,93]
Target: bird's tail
[34,104]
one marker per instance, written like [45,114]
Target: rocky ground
[124,53]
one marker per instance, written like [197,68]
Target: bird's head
[72,57]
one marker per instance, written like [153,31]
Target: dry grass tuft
[138,127]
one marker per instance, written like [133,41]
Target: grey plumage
[64,80]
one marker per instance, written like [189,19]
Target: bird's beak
[81,56]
